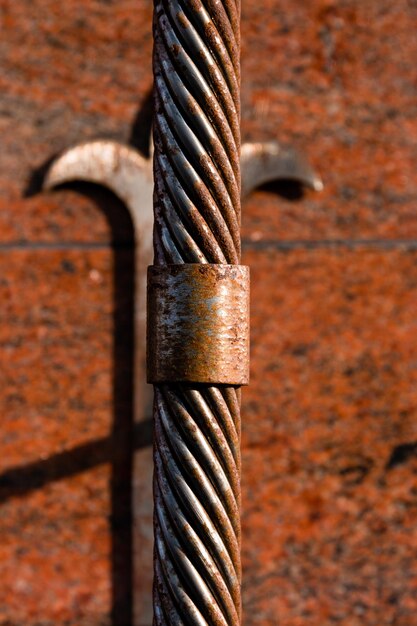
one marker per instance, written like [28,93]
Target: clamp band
[198,324]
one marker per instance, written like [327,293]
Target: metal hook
[129,175]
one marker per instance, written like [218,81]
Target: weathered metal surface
[198,324]
[197,503]
[197,184]
[129,175]
[123,170]
[197,220]
[266,161]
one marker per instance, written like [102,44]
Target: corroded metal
[197,177]
[265,161]
[129,175]
[198,324]
[197,427]
[123,170]
[197,220]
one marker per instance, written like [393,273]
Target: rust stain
[198,328]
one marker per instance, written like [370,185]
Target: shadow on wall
[116,449]
[125,437]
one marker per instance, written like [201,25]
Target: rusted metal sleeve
[198,324]
[197,221]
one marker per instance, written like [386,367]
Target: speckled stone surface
[330,418]
[329,521]
[65,470]
[338,79]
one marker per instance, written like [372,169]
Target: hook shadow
[142,125]
[288,189]
[118,448]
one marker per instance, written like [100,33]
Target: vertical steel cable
[197,220]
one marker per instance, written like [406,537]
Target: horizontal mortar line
[64,245]
[247,244]
[277,244]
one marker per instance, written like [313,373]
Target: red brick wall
[329,421]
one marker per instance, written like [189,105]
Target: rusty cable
[197,573]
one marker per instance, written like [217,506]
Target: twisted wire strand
[197,220]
